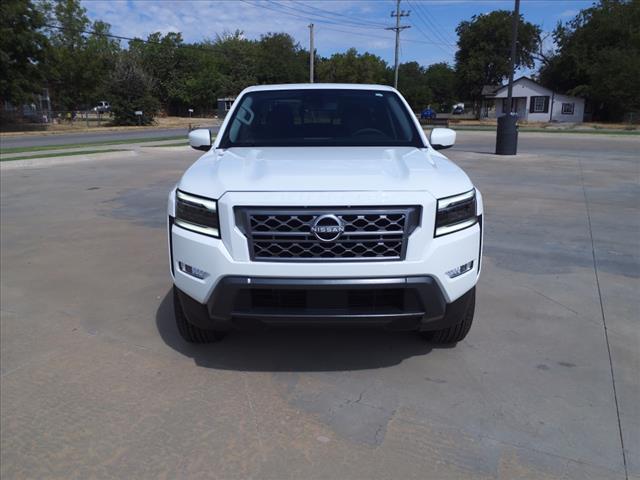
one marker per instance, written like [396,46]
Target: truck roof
[318,86]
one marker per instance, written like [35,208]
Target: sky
[339,24]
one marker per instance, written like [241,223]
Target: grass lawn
[61,154]
[93,144]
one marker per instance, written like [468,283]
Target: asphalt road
[96,383]
[92,137]
[554,143]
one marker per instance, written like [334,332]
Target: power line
[304,17]
[338,15]
[427,19]
[92,32]
[438,44]
[201,48]
[429,32]
[326,14]
[411,40]
[331,22]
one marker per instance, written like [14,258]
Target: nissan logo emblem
[327,228]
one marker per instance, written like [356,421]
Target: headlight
[197,214]
[456,213]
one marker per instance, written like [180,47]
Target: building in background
[224,105]
[532,102]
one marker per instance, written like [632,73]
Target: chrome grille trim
[283,234]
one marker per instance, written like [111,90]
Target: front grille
[280,234]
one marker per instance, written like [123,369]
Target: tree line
[52,44]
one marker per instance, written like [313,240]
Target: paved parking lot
[97,384]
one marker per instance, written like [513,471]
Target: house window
[567,108]
[539,104]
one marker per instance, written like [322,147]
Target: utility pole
[507,131]
[398,28]
[514,41]
[311,53]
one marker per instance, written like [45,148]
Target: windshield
[322,118]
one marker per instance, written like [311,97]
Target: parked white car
[102,107]
[324,204]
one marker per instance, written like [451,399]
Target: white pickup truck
[324,205]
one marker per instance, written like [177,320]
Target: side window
[568,108]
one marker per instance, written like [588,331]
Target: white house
[534,103]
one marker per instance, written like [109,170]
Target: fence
[632,118]
[33,119]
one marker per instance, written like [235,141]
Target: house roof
[493,90]
[490,90]
[487,92]
[519,79]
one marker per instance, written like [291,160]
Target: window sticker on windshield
[378,94]
[248,115]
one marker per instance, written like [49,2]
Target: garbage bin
[507,135]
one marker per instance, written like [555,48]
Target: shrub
[130,90]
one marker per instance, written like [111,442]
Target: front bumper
[229,256]
[400,303]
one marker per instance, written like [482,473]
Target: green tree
[352,67]
[280,59]
[598,58]
[23,48]
[200,81]
[413,85]
[165,60]
[63,65]
[130,90]
[441,80]
[484,49]
[80,58]
[235,59]
[98,58]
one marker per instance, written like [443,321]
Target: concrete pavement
[97,383]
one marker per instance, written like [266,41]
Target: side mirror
[200,139]
[442,138]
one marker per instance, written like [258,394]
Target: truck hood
[324,169]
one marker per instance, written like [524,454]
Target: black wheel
[460,314]
[188,331]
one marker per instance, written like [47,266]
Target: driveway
[97,383]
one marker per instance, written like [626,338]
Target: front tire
[188,331]
[460,314]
